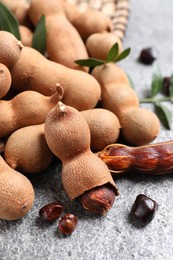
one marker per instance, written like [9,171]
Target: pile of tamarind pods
[51,106]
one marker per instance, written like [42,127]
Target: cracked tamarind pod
[151,159]
[84,175]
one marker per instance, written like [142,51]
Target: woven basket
[117,10]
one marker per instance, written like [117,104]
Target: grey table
[112,236]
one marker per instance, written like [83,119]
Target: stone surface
[112,236]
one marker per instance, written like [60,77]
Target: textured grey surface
[112,236]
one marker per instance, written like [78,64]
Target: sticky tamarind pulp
[149,159]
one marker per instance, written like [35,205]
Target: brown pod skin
[16,193]
[149,159]
[90,22]
[26,150]
[69,42]
[118,98]
[99,44]
[82,170]
[26,108]
[104,127]
[10,49]
[110,73]
[26,35]
[5,80]
[63,46]
[71,10]
[2,144]
[58,123]
[81,90]
[84,173]
[37,9]
[139,126]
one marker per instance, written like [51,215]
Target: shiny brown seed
[166,86]
[51,211]
[143,209]
[67,224]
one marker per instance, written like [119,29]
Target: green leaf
[91,62]
[157,81]
[131,83]
[123,55]
[171,86]
[39,37]
[113,53]
[164,115]
[8,21]
[112,57]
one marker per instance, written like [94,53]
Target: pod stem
[62,107]
[154,100]
[20,44]
[59,93]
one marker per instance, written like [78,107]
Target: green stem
[156,100]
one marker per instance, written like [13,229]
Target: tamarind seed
[147,56]
[67,224]
[99,199]
[143,209]
[50,211]
[166,86]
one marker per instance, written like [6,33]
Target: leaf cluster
[113,56]
[162,111]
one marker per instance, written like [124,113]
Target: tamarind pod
[151,159]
